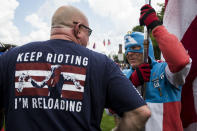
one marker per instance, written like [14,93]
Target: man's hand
[134,120]
[149,17]
[141,74]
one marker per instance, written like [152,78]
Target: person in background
[164,80]
[84,82]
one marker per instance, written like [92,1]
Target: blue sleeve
[122,95]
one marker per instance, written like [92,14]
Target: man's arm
[134,120]
[173,51]
[125,100]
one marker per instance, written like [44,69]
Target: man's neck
[63,33]
[60,36]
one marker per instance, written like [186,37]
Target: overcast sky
[23,21]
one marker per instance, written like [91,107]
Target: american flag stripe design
[156,117]
[45,92]
[162,121]
[40,78]
[180,19]
[46,66]
[46,73]
[65,87]
[168,119]
[32,92]
[39,72]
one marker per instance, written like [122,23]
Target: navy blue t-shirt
[58,85]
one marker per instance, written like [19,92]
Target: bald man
[59,85]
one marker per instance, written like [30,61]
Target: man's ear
[76,30]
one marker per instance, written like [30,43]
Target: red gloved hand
[141,74]
[149,17]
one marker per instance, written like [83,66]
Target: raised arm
[179,62]
[172,49]
[177,58]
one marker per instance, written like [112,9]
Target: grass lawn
[107,122]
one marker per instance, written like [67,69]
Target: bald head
[66,15]
[69,23]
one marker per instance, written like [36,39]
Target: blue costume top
[159,89]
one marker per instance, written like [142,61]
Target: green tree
[138,28]
[115,58]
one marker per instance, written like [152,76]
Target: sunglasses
[87,28]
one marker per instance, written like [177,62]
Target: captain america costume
[163,92]
[162,98]
[89,82]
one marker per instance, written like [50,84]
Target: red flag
[181,19]
[94,46]
[104,42]
[166,2]
[109,42]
